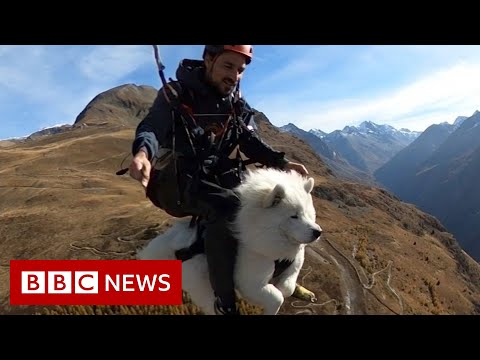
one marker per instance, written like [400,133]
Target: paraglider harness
[207,151]
[165,187]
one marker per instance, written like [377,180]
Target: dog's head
[280,203]
[293,207]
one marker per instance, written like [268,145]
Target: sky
[324,87]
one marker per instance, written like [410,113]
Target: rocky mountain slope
[438,172]
[331,158]
[369,145]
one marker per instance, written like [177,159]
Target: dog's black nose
[316,233]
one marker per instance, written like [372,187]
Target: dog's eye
[294,217]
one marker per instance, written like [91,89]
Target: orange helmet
[246,50]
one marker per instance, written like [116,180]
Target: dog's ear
[309,185]
[274,197]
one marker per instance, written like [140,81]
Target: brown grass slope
[60,199]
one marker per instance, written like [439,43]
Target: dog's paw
[304,294]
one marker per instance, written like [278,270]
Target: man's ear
[208,60]
[274,197]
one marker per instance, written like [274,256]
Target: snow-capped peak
[318,132]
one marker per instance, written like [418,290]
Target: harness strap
[198,246]
[281,266]
[193,131]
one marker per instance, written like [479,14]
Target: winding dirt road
[351,285]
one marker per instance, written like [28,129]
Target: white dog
[275,221]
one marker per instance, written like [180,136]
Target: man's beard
[222,91]
[221,86]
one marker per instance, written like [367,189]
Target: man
[214,123]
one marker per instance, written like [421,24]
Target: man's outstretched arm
[152,131]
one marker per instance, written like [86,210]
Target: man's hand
[297,167]
[140,168]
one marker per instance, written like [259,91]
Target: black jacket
[209,108]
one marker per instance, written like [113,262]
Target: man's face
[224,71]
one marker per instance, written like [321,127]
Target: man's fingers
[145,174]
[135,173]
[300,168]
[145,180]
[139,170]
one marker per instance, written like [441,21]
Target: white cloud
[297,61]
[109,63]
[442,96]
[22,71]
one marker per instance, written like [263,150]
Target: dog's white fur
[275,221]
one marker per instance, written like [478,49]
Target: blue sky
[312,86]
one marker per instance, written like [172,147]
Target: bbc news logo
[59,282]
[95,282]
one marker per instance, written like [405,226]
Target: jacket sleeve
[256,149]
[153,130]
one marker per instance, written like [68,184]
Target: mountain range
[356,151]
[438,172]
[336,162]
